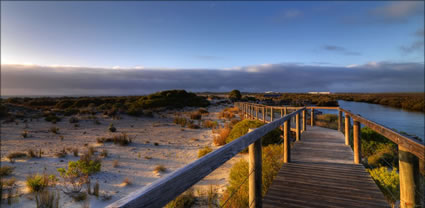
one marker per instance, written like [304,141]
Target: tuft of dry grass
[196,115]
[54,130]
[104,153]
[6,170]
[204,151]
[24,134]
[75,152]
[61,153]
[209,124]
[220,139]
[159,168]
[123,139]
[126,182]
[148,157]
[31,153]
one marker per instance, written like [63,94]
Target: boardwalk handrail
[415,147]
[163,190]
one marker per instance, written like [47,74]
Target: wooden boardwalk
[322,174]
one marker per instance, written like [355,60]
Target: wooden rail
[166,189]
[408,146]
[162,191]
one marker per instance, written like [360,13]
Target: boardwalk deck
[322,174]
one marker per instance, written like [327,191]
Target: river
[396,118]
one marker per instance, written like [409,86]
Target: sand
[176,148]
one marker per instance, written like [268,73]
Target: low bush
[204,151]
[112,128]
[6,170]
[159,168]
[272,160]
[223,133]
[242,128]
[181,121]
[185,200]
[193,126]
[388,181]
[47,199]
[122,139]
[61,153]
[203,111]
[54,130]
[13,155]
[24,134]
[196,115]
[209,124]
[39,182]
[52,118]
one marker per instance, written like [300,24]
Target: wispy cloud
[417,45]
[372,77]
[288,14]
[340,50]
[398,11]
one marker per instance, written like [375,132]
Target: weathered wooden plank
[322,174]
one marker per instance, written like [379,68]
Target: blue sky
[206,34]
[211,35]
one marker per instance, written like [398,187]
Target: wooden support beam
[285,111]
[312,116]
[281,112]
[304,120]
[407,179]
[271,114]
[264,114]
[297,127]
[340,120]
[286,142]
[255,179]
[347,130]
[356,142]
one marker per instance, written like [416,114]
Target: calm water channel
[399,119]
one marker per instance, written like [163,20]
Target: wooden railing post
[271,114]
[264,114]
[304,120]
[312,116]
[281,112]
[286,142]
[339,120]
[285,111]
[407,179]
[297,127]
[356,142]
[256,112]
[255,179]
[347,130]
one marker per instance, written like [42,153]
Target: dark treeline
[132,105]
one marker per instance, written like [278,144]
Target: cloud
[288,14]
[420,33]
[372,77]
[340,50]
[398,11]
[415,46]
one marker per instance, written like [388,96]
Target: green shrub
[272,160]
[172,99]
[387,181]
[6,170]
[185,200]
[181,121]
[235,95]
[242,128]
[38,182]
[122,139]
[196,115]
[209,124]
[204,151]
[112,128]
